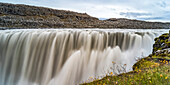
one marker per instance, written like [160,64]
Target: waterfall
[67,57]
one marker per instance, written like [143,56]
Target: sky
[148,10]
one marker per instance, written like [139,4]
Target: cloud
[136,9]
[162,4]
[133,14]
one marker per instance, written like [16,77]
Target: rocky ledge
[161,47]
[24,16]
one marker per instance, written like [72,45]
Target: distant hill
[25,16]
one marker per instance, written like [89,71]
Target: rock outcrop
[161,42]
[24,16]
[161,48]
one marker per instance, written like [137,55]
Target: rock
[161,42]
[169,36]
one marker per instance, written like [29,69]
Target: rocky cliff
[24,16]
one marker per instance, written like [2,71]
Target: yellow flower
[91,77]
[161,75]
[113,62]
[111,73]
[103,83]
[166,77]
[116,82]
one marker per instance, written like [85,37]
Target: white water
[67,56]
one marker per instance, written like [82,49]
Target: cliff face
[25,16]
[25,10]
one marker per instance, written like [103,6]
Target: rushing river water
[69,56]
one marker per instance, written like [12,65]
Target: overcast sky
[150,10]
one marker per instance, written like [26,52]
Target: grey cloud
[157,18]
[162,4]
[161,18]
[133,14]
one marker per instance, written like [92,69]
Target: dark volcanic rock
[24,16]
[161,42]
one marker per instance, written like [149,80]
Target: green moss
[158,75]
[143,63]
[169,55]
[162,41]
[156,38]
[166,40]
[155,49]
[163,36]
[168,43]
[159,48]
[163,55]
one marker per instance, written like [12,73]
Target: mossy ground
[147,71]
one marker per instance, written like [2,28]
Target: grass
[146,72]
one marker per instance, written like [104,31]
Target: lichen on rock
[161,42]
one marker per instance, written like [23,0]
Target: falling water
[67,57]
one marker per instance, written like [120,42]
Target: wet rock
[161,42]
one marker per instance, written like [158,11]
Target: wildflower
[150,81]
[91,77]
[103,83]
[116,82]
[113,62]
[166,77]
[152,65]
[111,73]
[161,75]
